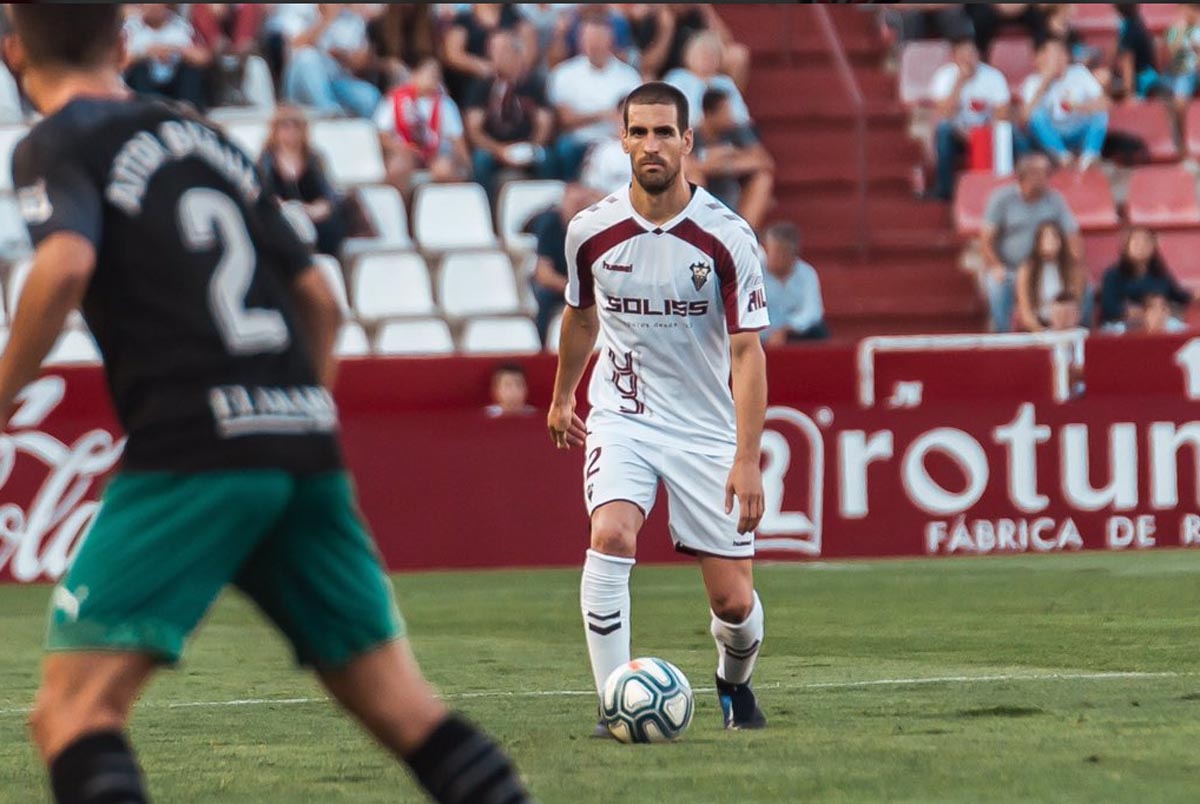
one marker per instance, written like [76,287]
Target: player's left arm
[749,366]
[62,268]
[319,318]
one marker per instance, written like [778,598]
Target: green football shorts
[164,545]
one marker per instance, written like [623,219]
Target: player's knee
[614,539]
[733,607]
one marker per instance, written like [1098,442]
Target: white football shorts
[617,468]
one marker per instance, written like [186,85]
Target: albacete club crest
[700,272]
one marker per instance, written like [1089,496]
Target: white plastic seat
[331,269]
[14,237]
[385,207]
[9,137]
[351,341]
[350,149]
[519,200]
[294,212]
[73,346]
[452,216]
[474,283]
[248,134]
[500,336]
[428,336]
[391,286]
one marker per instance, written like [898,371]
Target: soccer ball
[647,701]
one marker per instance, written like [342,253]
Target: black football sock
[458,764]
[98,768]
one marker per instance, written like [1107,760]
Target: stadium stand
[1163,196]
[477,284]
[384,207]
[391,285]
[500,335]
[452,216]
[518,202]
[352,341]
[429,336]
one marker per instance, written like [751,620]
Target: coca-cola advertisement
[963,445]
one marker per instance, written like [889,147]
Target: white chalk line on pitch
[816,685]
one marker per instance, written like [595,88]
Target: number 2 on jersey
[204,214]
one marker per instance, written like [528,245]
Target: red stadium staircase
[903,277]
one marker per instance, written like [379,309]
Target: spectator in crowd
[1139,271]
[930,21]
[230,31]
[1065,107]
[702,60]
[1049,272]
[1011,221]
[1137,65]
[292,171]
[508,120]
[1065,313]
[1183,43]
[404,34]
[793,291]
[607,14]
[990,19]
[465,44]
[606,167]
[662,31]
[551,24]
[729,160]
[1059,24]
[969,94]
[422,130]
[586,92]
[329,60]
[1159,316]
[165,56]
[510,392]
[549,227]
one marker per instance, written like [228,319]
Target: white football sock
[738,644]
[604,598]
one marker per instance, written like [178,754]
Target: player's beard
[656,183]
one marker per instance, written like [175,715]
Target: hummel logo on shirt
[612,266]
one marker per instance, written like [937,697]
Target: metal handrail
[859,107]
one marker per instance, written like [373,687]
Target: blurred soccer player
[216,334]
[669,281]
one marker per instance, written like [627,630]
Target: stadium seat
[428,336]
[1191,130]
[331,269]
[1013,56]
[9,137]
[500,336]
[971,197]
[518,202]
[294,212]
[247,134]
[1163,196]
[1100,251]
[477,283]
[1151,122]
[14,237]
[918,62]
[1089,197]
[1096,18]
[384,205]
[391,285]
[73,346]
[351,341]
[351,150]
[452,216]
[1158,17]
[1180,248]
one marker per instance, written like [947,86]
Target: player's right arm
[577,339]
[319,319]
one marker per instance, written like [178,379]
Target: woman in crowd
[1140,271]
[1048,272]
[292,171]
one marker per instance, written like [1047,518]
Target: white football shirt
[668,297]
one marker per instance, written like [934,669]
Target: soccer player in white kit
[669,280]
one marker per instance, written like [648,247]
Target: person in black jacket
[1139,271]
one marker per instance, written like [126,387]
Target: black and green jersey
[190,302]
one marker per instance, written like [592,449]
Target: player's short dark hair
[659,92]
[712,100]
[508,368]
[70,35]
[786,231]
[961,37]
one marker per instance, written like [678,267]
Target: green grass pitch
[1065,678]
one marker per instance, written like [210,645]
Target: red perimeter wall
[961,451]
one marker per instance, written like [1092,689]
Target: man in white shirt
[328,48]
[793,291]
[1065,107]
[164,56]
[585,92]
[701,72]
[969,94]
[670,282]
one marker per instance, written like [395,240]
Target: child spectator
[422,130]
[1065,107]
[1049,272]
[1183,43]
[729,160]
[969,94]
[165,56]
[510,392]
[1158,316]
[1065,313]
[508,120]
[702,61]
[1139,271]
